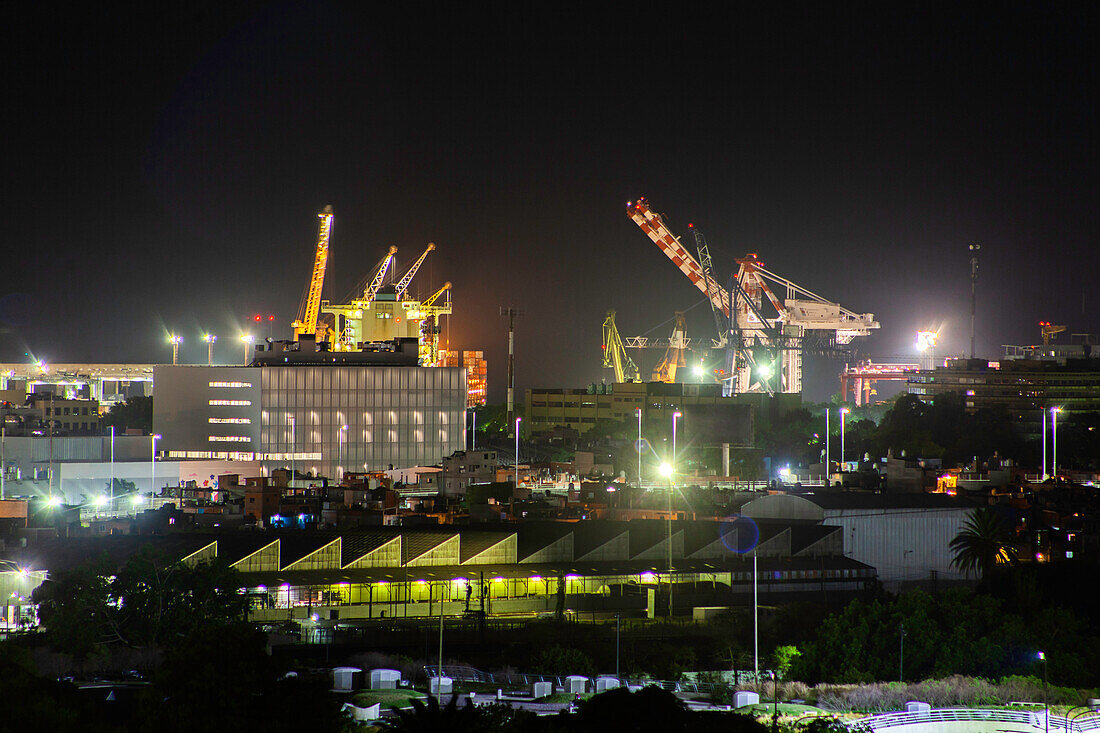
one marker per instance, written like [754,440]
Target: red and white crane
[782,333]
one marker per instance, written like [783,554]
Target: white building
[905,537]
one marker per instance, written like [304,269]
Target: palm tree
[983,543]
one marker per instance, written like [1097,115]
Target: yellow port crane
[309,308]
[614,353]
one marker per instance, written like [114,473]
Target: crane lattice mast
[403,284]
[308,310]
[614,353]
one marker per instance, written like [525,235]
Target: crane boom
[306,322]
[653,225]
[379,277]
[403,283]
[614,353]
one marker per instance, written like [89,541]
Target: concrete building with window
[581,409]
[1023,387]
[319,412]
[465,467]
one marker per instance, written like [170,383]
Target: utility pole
[511,314]
[974,249]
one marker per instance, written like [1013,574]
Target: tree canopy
[150,601]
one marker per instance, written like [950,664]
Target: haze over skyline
[165,168]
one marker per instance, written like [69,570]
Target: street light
[209,338]
[639,448]
[1046,706]
[828,463]
[247,340]
[518,421]
[340,468]
[1044,471]
[775,701]
[1054,441]
[153,466]
[174,340]
[843,411]
[665,470]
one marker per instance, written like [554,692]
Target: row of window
[229,439]
[229,420]
[229,403]
[232,385]
[65,411]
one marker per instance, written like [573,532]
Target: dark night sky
[164,167]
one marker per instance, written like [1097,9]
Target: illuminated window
[233,385]
[229,439]
[230,420]
[230,403]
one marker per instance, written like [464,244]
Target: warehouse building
[536,567]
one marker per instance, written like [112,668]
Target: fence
[1032,719]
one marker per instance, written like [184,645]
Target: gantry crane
[309,308]
[753,336]
[614,354]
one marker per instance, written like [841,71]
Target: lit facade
[324,419]
[477,370]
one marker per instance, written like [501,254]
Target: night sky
[164,168]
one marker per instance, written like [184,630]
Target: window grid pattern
[395,416]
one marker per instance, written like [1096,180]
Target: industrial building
[314,411]
[592,566]
[1023,387]
[905,537]
[580,409]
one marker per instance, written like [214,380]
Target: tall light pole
[209,338]
[666,471]
[175,341]
[340,468]
[518,421]
[1054,441]
[293,441]
[639,448]
[112,467]
[153,467]
[974,249]
[901,653]
[511,314]
[247,340]
[828,463]
[1044,471]
[843,412]
[1046,706]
